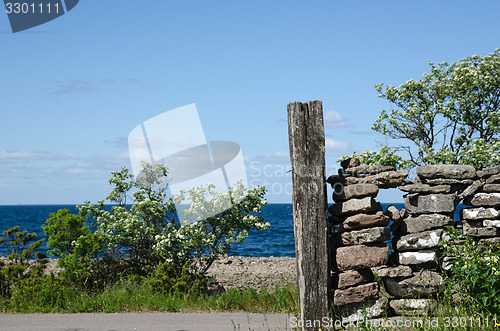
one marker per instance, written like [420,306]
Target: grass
[136,295]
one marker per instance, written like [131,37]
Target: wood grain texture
[307,154]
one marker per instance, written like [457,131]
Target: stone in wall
[477,229]
[490,188]
[373,308]
[424,222]
[421,285]
[354,277]
[493,179]
[425,257]
[355,294]
[492,223]
[481,213]
[393,272]
[489,171]
[362,256]
[425,188]
[446,264]
[396,216]
[362,221]
[354,191]
[447,171]
[368,170]
[388,179]
[366,236]
[471,189]
[409,307]
[350,163]
[456,184]
[429,204]
[483,200]
[354,206]
[421,240]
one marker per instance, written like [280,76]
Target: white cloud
[337,147]
[28,165]
[36,156]
[333,119]
[98,164]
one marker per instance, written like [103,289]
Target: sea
[277,241]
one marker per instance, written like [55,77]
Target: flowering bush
[474,271]
[149,231]
[450,116]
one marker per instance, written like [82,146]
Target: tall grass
[135,294]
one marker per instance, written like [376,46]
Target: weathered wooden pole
[307,153]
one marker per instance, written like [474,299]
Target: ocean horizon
[277,241]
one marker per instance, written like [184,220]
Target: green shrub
[68,234]
[20,264]
[44,293]
[474,274]
[77,248]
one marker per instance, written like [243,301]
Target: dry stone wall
[359,232]
[401,247]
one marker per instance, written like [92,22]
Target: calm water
[277,241]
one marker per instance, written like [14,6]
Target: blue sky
[73,89]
